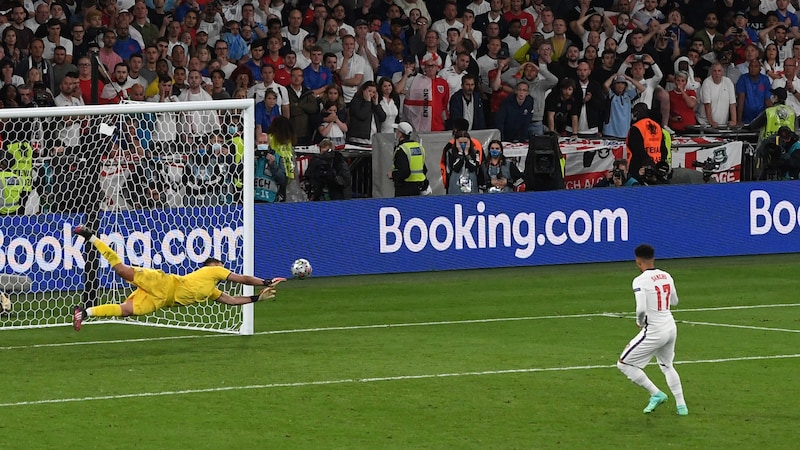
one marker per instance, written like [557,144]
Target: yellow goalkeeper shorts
[155,290]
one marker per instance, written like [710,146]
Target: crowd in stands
[344,70]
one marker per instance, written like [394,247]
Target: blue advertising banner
[43,247]
[421,234]
[523,229]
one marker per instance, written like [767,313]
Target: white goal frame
[247,118]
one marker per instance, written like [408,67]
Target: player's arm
[673,296]
[641,305]
[253,281]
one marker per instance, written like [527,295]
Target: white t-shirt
[49,47]
[655,293]
[721,96]
[356,65]
[295,40]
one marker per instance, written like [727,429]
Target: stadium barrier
[528,229]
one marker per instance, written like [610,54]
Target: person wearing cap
[409,172]
[740,26]
[426,96]
[776,116]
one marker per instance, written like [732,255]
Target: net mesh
[162,187]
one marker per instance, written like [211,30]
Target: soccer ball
[301,268]
[5,302]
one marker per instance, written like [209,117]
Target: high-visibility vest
[416,160]
[11,188]
[652,136]
[778,116]
[23,163]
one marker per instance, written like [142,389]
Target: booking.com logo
[480,230]
[784,216]
[139,248]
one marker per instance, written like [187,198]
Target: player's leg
[634,358]
[123,270]
[665,357]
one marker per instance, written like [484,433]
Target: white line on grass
[368,380]
[377,326]
[748,327]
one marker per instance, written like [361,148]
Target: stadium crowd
[344,70]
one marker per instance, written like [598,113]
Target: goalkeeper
[156,289]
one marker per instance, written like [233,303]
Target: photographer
[328,176]
[618,176]
[653,173]
[775,117]
[777,156]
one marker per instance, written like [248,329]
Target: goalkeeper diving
[156,289]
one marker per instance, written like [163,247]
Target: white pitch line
[368,380]
[748,327]
[378,326]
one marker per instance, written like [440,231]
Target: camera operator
[618,176]
[652,173]
[41,97]
[328,176]
[777,156]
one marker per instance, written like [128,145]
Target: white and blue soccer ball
[301,268]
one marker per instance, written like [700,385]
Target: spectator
[466,104]
[316,76]
[370,46]
[134,69]
[125,45]
[304,108]
[539,80]
[390,103]
[255,61]
[8,96]
[36,60]
[426,96]
[589,95]
[7,76]
[456,72]
[202,176]
[330,42]
[560,110]
[10,48]
[494,15]
[332,128]
[140,23]
[719,99]
[409,171]
[117,90]
[266,111]
[162,69]
[790,82]
[515,115]
[107,55]
[24,35]
[218,91]
[257,91]
[432,47]
[85,81]
[69,92]
[328,176]
[80,45]
[60,65]
[366,114]
[198,123]
[682,103]
[771,62]
[334,93]
[352,69]
[461,163]
[753,94]
[636,63]
[54,39]
[498,173]
[620,97]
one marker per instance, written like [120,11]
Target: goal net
[166,185]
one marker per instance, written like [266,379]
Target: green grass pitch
[486,359]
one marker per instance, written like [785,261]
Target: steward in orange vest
[645,144]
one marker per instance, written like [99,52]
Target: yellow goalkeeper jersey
[200,285]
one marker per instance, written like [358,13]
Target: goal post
[166,185]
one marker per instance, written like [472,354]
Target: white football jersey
[655,293]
